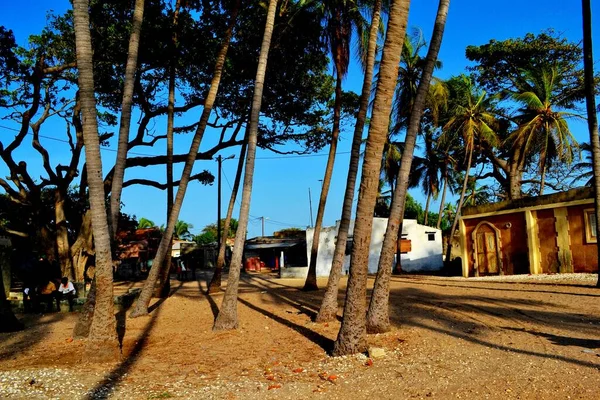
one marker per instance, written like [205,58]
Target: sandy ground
[452,338]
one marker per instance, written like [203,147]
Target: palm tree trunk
[62,236]
[352,335]
[439,221]
[588,63]
[425,218]
[102,341]
[329,305]
[141,306]
[130,68]
[227,317]
[215,282]
[311,278]
[378,314]
[164,281]
[542,181]
[459,209]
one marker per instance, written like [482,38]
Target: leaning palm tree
[472,119]
[227,317]
[329,305]
[102,343]
[129,82]
[588,63]
[340,16]
[352,335]
[141,306]
[542,129]
[378,313]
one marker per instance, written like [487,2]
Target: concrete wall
[425,255]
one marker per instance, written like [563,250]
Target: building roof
[582,193]
[269,242]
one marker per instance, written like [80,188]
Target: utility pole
[220,160]
[310,207]
[263,226]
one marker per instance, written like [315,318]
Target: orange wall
[515,258]
[585,255]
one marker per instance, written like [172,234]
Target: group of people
[43,289]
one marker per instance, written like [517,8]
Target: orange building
[555,233]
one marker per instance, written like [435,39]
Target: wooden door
[487,251]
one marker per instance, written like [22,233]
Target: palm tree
[102,343]
[352,335]
[340,16]
[585,166]
[472,119]
[215,282]
[329,305]
[227,317]
[542,129]
[141,306]
[378,313]
[588,63]
[448,163]
[182,230]
[129,82]
[428,170]
[145,223]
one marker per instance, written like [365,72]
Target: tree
[129,82]
[144,223]
[472,119]
[8,321]
[352,335]
[141,306]
[329,305]
[541,128]
[339,18]
[378,314]
[102,342]
[182,230]
[227,317]
[588,60]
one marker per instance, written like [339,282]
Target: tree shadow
[213,305]
[104,388]
[324,342]
[560,340]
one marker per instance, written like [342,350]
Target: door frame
[498,246]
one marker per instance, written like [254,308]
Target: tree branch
[204,176]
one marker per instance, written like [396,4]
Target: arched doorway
[487,250]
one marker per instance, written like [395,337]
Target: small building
[286,255]
[554,233]
[421,247]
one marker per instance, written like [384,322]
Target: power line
[66,141]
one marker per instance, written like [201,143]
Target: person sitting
[66,290]
[47,293]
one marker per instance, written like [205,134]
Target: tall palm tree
[102,343]
[129,82]
[352,335]
[588,65]
[429,171]
[542,129]
[378,313]
[448,163]
[472,119]
[329,305]
[227,317]
[141,306]
[340,16]
[215,282]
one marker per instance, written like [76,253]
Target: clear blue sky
[281,184]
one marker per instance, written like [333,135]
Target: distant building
[285,255]
[555,233]
[421,247]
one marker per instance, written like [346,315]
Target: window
[589,217]
[431,236]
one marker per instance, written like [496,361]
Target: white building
[425,253]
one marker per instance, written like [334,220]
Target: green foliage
[145,223]
[182,230]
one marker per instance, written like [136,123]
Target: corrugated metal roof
[255,246]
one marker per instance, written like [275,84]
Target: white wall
[425,255]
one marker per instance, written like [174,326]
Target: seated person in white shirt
[66,290]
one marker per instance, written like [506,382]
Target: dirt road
[452,338]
